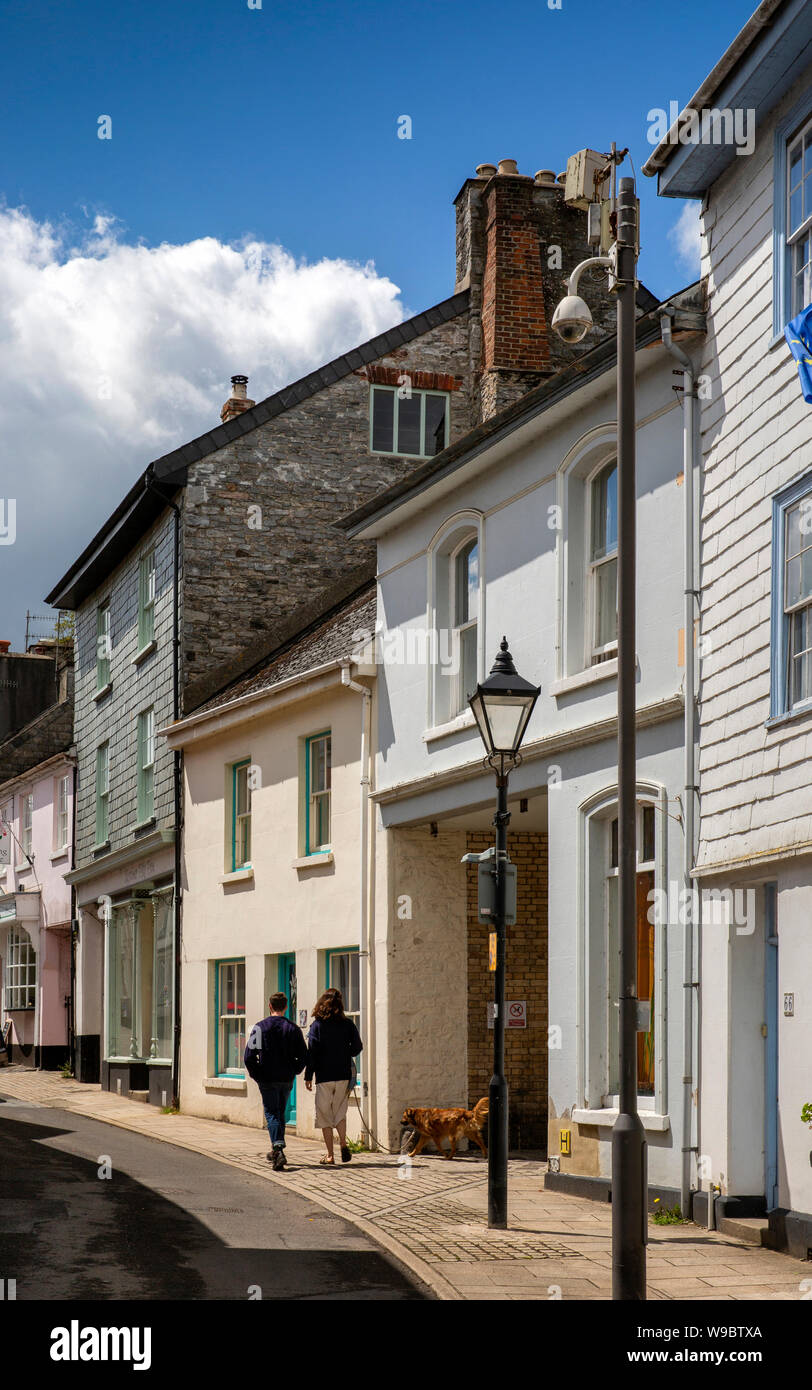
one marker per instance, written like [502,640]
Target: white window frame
[446,701]
[797,236]
[396,391]
[592,1062]
[21,971]
[7,835]
[323,793]
[62,818]
[596,652]
[803,604]
[222,1017]
[27,825]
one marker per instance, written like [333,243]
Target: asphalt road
[167,1224]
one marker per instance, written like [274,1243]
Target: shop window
[21,971]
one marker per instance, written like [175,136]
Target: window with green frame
[103,645]
[342,972]
[146,600]
[102,793]
[229,1017]
[318,756]
[241,815]
[146,765]
[408,422]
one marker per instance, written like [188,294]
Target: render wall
[279,908]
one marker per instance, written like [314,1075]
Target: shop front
[125,974]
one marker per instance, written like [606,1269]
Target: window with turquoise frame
[792,215]
[241,815]
[318,758]
[402,421]
[229,1017]
[342,972]
[103,645]
[102,793]
[146,600]
[791,634]
[146,765]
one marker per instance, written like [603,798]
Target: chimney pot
[4,647]
[485,171]
[546,177]
[238,401]
[508,166]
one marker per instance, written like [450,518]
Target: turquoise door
[287,984]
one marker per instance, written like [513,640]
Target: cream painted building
[276,869]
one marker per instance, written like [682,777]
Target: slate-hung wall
[134,688]
[304,468]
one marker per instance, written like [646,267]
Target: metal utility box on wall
[579,187]
[565,1142]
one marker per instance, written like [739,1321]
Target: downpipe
[365,972]
[690,788]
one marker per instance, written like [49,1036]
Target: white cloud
[686,237]
[112,354]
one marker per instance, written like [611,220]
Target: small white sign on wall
[515,1013]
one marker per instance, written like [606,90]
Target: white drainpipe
[689,791]
[365,956]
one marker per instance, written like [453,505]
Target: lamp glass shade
[502,719]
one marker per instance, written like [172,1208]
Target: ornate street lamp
[502,707]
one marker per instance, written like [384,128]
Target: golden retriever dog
[434,1125]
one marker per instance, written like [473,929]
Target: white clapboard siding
[756,431]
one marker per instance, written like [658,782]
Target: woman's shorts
[332,1098]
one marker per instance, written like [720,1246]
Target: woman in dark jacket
[332,1043]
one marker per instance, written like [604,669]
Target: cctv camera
[572,319]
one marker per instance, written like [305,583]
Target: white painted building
[513,531]
[756,624]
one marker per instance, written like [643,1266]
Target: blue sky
[276,126]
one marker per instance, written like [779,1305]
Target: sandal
[327,1162]
[346,1154]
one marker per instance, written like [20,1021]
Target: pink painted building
[36,850]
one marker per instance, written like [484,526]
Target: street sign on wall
[516,1013]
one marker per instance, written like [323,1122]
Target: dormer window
[408,422]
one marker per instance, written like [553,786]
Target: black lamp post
[502,706]
[572,321]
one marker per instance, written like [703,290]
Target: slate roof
[142,504]
[50,733]
[329,638]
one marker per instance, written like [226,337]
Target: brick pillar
[525,1048]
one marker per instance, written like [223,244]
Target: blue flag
[798,334]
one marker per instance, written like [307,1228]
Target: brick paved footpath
[432,1214]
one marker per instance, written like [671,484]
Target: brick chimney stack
[516,243]
[238,400]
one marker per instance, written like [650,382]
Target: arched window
[603,562]
[456,603]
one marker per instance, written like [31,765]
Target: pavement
[431,1213]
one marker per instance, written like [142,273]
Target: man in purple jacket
[274,1054]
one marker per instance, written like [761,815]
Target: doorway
[287,985]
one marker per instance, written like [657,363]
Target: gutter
[690,789]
